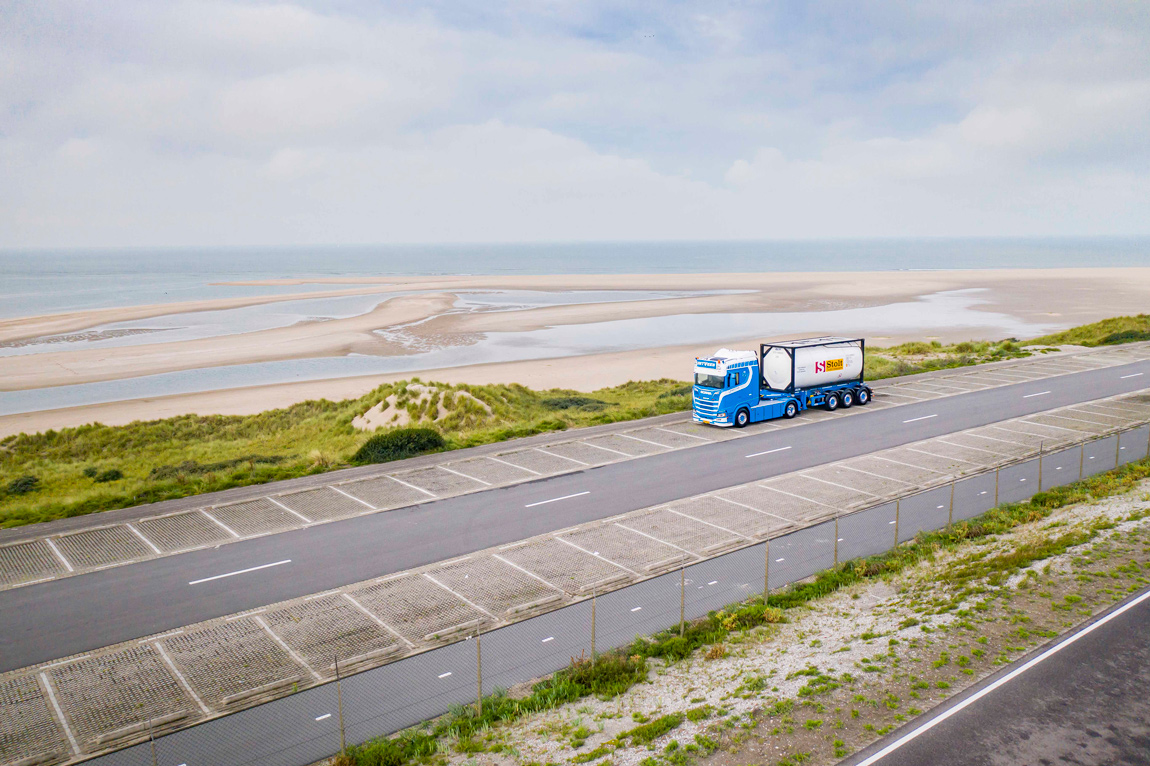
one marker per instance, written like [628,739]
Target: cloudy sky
[233,123]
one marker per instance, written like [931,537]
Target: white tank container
[835,361]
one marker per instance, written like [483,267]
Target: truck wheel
[832,402]
[791,410]
[863,396]
[848,398]
[742,417]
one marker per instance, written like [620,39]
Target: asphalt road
[1085,703]
[77,614]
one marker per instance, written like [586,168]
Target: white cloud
[229,122]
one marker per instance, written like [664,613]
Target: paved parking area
[30,562]
[81,705]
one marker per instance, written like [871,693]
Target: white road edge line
[911,735]
[777,449]
[924,417]
[557,499]
[242,571]
[1040,393]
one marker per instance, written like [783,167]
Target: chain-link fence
[307,726]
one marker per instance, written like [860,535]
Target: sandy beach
[1051,299]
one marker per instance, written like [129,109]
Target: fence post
[1148,439]
[1117,448]
[593,599]
[950,513]
[152,741]
[1040,444]
[836,541]
[767,573]
[1081,459]
[897,504]
[996,470]
[479,672]
[339,705]
[682,600]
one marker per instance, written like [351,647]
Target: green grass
[76,471]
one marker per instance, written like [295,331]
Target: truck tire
[832,402]
[863,396]
[742,417]
[791,409]
[848,399]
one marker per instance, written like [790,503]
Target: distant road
[1084,700]
[77,614]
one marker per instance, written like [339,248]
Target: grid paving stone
[543,463]
[1000,445]
[442,483]
[819,491]
[629,549]
[108,692]
[1126,411]
[255,517]
[494,585]
[182,531]
[231,658]
[701,539]
[961,452]
[27,728]
[908,474]
[493,472]
[25,562]
[631,447]
[323,504]
[416,608]
[564,566]
[321,629]
[669,439]
[384,492]
[104,545]
[1108,419]
[847,475]
[1070,422]
[583,453]
[939,464]
[734,517]
[789,507]
[1032,434]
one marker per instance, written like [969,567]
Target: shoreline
[1051,298]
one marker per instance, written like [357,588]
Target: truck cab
[725,384]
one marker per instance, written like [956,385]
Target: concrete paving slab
[323,504]
[805,486]
[989,445]
[628,549]
[322,630]
[858,478]
[440,481]
[790,507]
[566,567]
[713,509]
[384,492]
[701,539]
[938,463]
[583,454]
[28,727]
[255,517]
[494,472]
[99,547]
[908,474]
[1067,422]
[418,609]
[669,439]
[496,586]
[28,562]
[632,446]
[182,531]
[979,456]
[542,463]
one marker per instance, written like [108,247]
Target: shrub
[398,444]
[23,485]
[91,472]
[112,474]
[585,403]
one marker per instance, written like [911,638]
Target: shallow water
[941,311]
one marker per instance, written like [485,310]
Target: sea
[34,282]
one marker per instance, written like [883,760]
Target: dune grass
[75,471]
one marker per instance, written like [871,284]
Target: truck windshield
[708,380]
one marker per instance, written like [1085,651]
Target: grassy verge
[466,730]
[75,471]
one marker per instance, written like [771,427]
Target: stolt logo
[830,365]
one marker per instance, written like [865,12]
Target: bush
[91,472]
[398,444]
[23,485]
[112,474]
[585,403]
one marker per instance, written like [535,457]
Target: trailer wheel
[832,402]
[791,410]
[863,396]
[848,399]
[742,417]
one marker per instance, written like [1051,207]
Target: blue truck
[734,388]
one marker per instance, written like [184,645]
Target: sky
[176,123]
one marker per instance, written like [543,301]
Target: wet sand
[1057,298]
